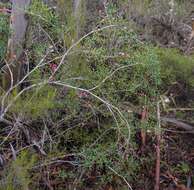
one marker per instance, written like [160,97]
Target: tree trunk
[78,10]
[18,27]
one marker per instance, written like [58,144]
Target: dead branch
[177,123]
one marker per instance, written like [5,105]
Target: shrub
[176,67]
[18,173]
[108,74]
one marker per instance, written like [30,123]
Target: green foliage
[109,158]
[41,12]
[116,67]
[132,73]
[184,168]
[121,73]
[18,173]
[99,156]
[176,67]
[35,103]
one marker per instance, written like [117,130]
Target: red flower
[53,67]
[83,94]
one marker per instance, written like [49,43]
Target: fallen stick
[177,123]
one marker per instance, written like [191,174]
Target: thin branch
[10,72]
[112,73]
[75,44]
[129,186]
[21,81]
[158,136]
[109,105]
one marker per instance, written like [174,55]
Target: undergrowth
[109,77]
